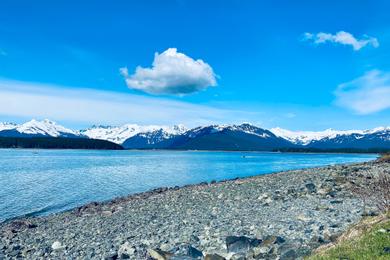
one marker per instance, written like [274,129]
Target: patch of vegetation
[384,158]
[57,143]
[370,239]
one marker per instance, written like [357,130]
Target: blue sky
[63,60]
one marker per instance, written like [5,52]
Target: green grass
[364,241]
[384,158]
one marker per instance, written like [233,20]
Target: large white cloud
[172,73]
[367,94]
[342,37]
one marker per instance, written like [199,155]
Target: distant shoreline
[51,143]
[57,143]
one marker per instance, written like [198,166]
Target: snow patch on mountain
[245,127]
[306,137]
[7,126]
[41,128]
[45,127]
[118,134]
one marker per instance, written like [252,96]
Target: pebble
[57,245]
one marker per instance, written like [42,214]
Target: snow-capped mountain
[211,137]
[7,126]
[367,139]
[245,127]
[308,138]
[119,134]
[36,128]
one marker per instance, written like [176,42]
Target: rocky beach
[283,215]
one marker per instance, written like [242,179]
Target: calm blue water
[38,182]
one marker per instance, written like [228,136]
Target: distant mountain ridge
[212,137]
[34,128]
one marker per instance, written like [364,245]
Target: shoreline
[185,150]
[167,188]
[225,201]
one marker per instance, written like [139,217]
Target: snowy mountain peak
[118,134]
[306,137]
[157,135]
[44,127]
[7,126]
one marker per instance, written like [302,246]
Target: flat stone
[57,245]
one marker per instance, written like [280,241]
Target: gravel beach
[277,216]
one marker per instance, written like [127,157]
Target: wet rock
[241,243]
[111,256]
[194,253]
[332,194]
[290,254]
[188,250]
[311,187]
[20,225]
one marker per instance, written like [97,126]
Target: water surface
[38,182]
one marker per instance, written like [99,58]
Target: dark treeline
[57,143]
[338,150]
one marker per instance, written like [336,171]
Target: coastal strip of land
[283,215]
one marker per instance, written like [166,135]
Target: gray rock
[289,255]
[311,187]
[213,257]
[111,256]
[126,251]
[57,245]
[159,254]
[241,243]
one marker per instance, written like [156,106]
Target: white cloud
[367,94]
[88,106]
[171,73]
[290,115]
[342,37]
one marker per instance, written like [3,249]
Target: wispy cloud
[367,94]
[342,37]
[171,73]
[22,99]
[3,52]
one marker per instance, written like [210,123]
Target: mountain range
[212,137]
